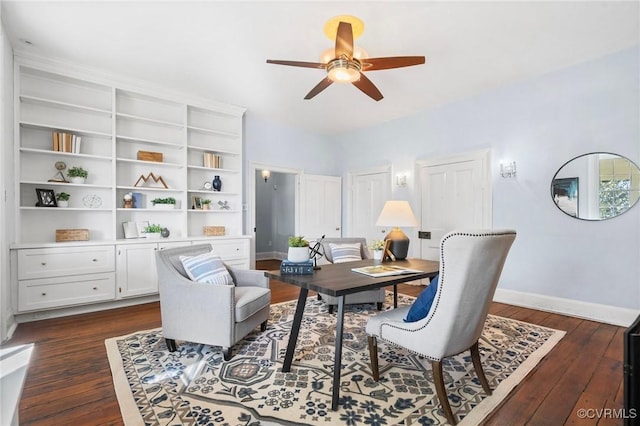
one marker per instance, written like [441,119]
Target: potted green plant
[153,231]
[164,203]
[377,246]
[205,203]
[77,175]
[298,249]
[62,199]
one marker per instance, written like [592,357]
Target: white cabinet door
[136,269]
[320,206]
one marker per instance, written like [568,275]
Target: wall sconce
[508,169]
[265,175]
[401,179]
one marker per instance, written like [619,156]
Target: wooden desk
[338,280]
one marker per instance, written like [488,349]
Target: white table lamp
[397,213]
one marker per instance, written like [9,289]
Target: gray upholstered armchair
[212,314]
[470,266]
[371,296]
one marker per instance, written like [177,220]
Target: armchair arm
[244,277]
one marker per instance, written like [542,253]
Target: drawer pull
[44,263]
[44,294]
[94,260]
[95,288]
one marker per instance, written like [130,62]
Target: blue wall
[540,124]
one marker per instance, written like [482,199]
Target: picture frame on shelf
[134,229]
[46,198]
[196,203]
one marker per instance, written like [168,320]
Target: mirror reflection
[596,186]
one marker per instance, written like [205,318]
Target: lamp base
[399,243]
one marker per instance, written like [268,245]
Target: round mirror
[596,186]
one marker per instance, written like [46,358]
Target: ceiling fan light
[344,75]
[343,71]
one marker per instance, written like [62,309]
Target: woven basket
[214,231]
[72,235]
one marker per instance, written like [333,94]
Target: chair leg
[477,365]
[226,352]
[171,345]
[330,309]
[263,326]
[379,306]
[441,392]
[373,355]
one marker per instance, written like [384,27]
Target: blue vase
[217,183]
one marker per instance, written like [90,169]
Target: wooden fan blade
[297,63]
[319,88]
[373,64]
[368,88]
[344,40]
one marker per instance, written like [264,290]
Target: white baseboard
[592,311]
[268,255]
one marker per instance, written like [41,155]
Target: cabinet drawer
[64,261]
[65,291]
[231,249]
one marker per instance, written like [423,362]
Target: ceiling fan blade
[344,40]
[373,64]
[297,63]
[319,88]
[368,88]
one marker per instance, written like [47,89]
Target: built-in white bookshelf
[113,125]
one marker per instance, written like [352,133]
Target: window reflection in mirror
[596,186]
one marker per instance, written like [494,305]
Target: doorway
[285,191]
[275,214]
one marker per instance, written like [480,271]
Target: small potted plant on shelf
[298,249]
[63,199]
[77,175]
[164,203]
[377,246]
[153,231]
[205,203]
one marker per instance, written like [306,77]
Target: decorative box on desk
[296,268]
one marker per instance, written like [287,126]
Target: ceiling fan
[346,68]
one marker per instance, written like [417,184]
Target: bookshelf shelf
[115,124]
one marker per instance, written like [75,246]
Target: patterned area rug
[195,386]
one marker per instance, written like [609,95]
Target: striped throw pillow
[345,252]
[206,268]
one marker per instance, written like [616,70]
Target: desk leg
[295,329]
[395,296]
[338,355]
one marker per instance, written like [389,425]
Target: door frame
[251,201]
[349,195]
[484,155]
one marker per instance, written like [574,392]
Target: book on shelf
[66,142]
[384,270]
[212,160]
[296,268]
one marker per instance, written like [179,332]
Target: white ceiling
[218,49]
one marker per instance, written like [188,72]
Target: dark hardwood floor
[69,381]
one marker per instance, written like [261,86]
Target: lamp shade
[396,213]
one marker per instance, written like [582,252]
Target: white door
[320,206]
[369,192]
[455,193]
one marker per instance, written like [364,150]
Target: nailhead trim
[440,284]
